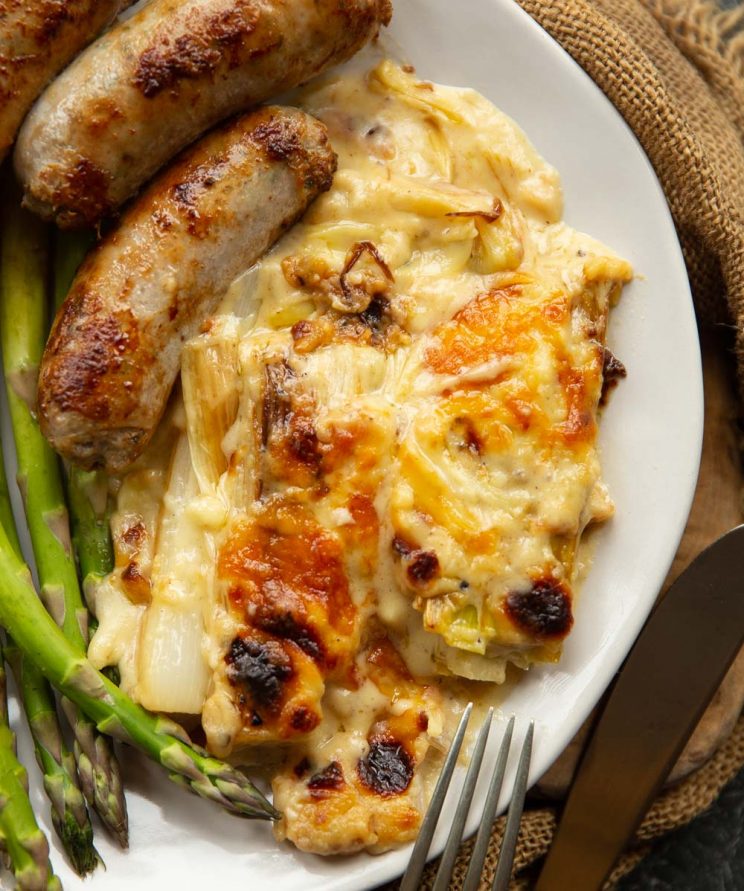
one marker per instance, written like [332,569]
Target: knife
[667,681]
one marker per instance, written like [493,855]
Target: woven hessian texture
[675,71]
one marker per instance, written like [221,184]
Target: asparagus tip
[119,831]
[78,843]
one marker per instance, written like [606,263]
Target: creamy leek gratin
[374,480]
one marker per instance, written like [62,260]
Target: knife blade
[670,676]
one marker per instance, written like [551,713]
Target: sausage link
[114,351]
[153,83]
[37,39]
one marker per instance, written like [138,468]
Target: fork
[412,876]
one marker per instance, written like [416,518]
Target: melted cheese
[387,443]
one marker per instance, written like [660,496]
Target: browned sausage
[37,39]
[115,346]
[153,83]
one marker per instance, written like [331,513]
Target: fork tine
[412,875]
[444,873]
[478,858]
[509,841]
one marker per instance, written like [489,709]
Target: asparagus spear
[57,764]
[23,325]
[70,249]
[90,513]
[69,813]
[65,665]
[22,840]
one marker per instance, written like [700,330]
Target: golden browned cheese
[371,493]
[285,579]
[156,81]
[288,590]
[364,789]
[115,347]
[37,39]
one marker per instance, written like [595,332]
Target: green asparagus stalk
[23,326]
[70,249]
[57,764]
[67,668]
[22,840]
[69,812]
[90,513]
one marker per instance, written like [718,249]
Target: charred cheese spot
[329,779]
[613,370]
[134,535]
[129,545]
[287,429]
[358,293]
[303,719]
[136,585]
[402,547]
[309,335]
[374,327]
[286,626]
[263,667]
[377,316]
[130,541]
[422,566]
[387,769]
[302,441]
[465,429]
[542,612]
[287,584]
[276,687]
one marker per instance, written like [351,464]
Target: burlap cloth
[675,71]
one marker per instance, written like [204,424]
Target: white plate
[651,436]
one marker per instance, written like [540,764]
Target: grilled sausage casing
[153,83]
[114,351]
[37,39]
